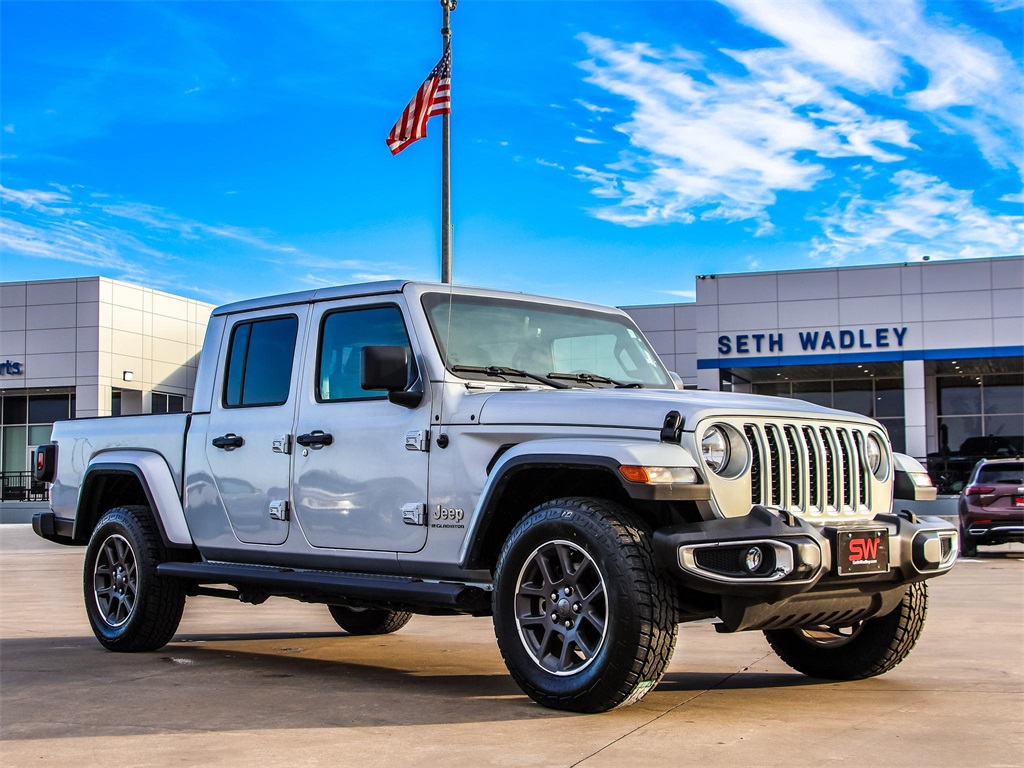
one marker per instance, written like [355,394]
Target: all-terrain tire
[584,621]
[870,649]
[368,621]
[129,606]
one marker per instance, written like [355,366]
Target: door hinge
[414,514]
[279,510]
[282,444]
[417,440]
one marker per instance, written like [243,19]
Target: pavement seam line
[670,710]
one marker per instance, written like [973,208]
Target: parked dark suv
[992,505]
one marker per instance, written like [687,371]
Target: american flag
[433,98]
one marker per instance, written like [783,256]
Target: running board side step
[320,586]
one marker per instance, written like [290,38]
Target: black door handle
[315,439]
[228,442]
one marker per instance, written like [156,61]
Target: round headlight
[874,454]
[715,447]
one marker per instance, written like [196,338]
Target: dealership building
[88,347]
[934,350]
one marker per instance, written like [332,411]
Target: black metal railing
[21,486]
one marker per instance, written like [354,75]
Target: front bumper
[797,565]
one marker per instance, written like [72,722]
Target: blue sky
[606,151]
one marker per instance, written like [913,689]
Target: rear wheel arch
[106,486]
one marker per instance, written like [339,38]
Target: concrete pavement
[280,685]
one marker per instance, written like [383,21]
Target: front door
[250,420]
[361,478]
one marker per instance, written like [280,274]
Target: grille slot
[775,465]
[795,465]
[846,477]
[813,474]
[830,473]
[818,470]
[755,464]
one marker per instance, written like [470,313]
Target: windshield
[541,339]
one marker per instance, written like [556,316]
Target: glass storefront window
[15,449]
[46,409]
[781,389]
[163,403]
[28,422]
[1004,393]
[855,396]
[15,409]
[888,398]
[959,395]
[39,434]
[954,431]
[981,415]
[819,392]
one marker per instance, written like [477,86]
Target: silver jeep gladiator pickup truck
[398,448]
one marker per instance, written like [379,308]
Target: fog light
[753,559]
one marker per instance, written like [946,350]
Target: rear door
[361,480]
[250,421]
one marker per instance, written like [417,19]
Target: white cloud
[549,164]
[691,295]
[9,128]
[922,216]
[721,146]
[588,140]
[816,32]
[1015,198]
[34,198]
[157,218]
[592,107]
[127,240]
[973,85]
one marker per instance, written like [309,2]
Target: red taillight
[45,464]
[977,490]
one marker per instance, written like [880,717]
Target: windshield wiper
[592,378]
[504,372]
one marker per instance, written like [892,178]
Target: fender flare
[605,455]
[153,474]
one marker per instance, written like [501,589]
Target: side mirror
[387,368]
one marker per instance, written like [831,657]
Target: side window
[343,335]
[260,362]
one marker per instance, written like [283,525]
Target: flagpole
[446,190]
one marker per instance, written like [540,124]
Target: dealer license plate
[862,551]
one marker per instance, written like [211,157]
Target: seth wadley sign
[812,340]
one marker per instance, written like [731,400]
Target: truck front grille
[817,470]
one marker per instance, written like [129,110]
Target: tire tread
[884,642]
[654,597]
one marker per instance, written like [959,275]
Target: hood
[642,408]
